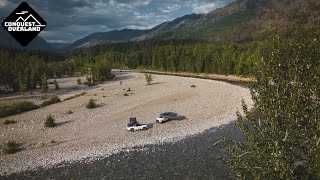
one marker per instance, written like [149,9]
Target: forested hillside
[248,20]
[221,58]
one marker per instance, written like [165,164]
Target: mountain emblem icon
[24,24]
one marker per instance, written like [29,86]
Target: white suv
[167,116]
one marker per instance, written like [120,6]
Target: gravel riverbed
[195,157]
[90,136]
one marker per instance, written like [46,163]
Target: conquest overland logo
[24,24]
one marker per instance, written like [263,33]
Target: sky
[69,20]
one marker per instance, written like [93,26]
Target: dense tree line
[22,70]
[221,58]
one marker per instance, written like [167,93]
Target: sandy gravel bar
[92,134]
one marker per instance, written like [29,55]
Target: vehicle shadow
[150,125]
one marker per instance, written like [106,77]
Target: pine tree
[21,83]
[44,84]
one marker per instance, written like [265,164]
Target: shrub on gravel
[6,122]
[193,86]
[50,122]
[149,78]
[17,108]
[11,147]
[126,94]
[129,90]
[79,81]
[53,100]
[91,104]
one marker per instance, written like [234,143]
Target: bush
[149,78]
[11,147]
[79,81]
[6,122]
[126,94]
[50,122]
[17,108]
[56,85]
[91,104]
[129,90]
[193,86]
[89,81]
[53,100]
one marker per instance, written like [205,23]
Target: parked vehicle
[135,126]
[167,116]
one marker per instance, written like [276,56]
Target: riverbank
[233,79]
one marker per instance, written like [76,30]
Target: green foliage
[91,104]
[21,83]
[11,147]
[89,81]
[149,78]
[17,108]
[101,69]
[79,81]
[44,84]
[50,122]
[53,100]
[20,71]
[284,141]
[7,122]
[56,85]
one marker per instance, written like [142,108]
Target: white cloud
[3,3]
[170,8]
[204,8]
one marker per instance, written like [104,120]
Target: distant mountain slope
[60,46]
[169,26]
[133,35]
[38,43]
[107,37]
[245,20]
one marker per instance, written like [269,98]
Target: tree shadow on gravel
[155,83]
[195,157]
[63,123]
